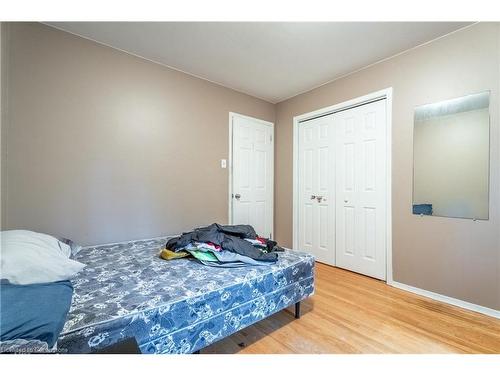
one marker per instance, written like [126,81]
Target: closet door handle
[237,196]
[313,197]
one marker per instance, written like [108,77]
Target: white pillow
[29,257]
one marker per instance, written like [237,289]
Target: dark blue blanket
[34,311]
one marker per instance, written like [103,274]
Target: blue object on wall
[422,209]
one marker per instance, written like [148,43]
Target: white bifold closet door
[361,188]
[343,187]
[316,183]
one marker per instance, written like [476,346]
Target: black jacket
[229,237]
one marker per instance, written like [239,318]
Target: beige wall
[1,120]
[454,257]
[103,146]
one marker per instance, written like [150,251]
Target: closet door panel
[361,189]
[316,173]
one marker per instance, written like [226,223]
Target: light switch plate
[223,163]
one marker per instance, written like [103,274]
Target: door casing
[233,115]
[377,95]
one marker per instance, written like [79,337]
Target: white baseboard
[450,300]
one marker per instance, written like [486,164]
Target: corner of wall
[498,155]
[3,121]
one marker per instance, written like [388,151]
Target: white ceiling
[273,61]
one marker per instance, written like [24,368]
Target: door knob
[345,200]
[319,198]
[313,197]
[237,196]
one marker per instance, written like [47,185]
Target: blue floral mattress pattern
[177,306]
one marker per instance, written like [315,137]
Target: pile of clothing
[223,246]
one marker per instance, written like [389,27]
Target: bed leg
[297,310]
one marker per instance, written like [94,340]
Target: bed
[178,306]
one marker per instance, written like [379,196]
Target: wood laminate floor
[351,313]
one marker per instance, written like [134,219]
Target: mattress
[177,306]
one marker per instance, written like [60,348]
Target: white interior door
[252,174]
[361,180]
[316,195]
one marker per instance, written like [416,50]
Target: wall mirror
[451,148]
